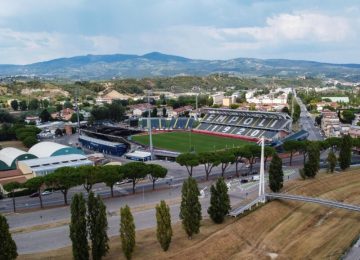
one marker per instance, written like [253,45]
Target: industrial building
[102,146]
[48,149]
[43,166]
[10,156]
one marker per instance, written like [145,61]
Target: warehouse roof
[47,149]
[9,154]
[50,164]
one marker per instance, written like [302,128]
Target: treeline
[65,178]
[88,220]
[224,158]
[24,133]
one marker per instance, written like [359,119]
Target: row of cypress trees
[88,220]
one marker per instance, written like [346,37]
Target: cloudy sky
[321,30]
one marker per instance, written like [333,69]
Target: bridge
[330,203]
[264,196]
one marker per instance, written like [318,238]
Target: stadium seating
[167,123]
[250,125]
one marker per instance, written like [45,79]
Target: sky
[319,30]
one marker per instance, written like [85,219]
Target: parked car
[244,181]
[35,194]
[47,192]
[255,178]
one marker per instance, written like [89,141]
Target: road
[56,235]
[308,123]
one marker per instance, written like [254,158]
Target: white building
[218,98]
[338,99]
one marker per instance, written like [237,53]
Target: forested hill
[156,64]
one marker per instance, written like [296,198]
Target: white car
[44,193]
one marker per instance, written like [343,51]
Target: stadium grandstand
[167,123]
[247,125]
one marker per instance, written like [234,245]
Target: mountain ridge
[155,64]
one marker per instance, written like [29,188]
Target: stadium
[218,129]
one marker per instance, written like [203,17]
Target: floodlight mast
[262,172]
[77,108]
[149,127]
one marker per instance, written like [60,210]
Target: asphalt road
[308,123]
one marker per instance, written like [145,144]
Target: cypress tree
[78,232]
[164,229]
[127,231]
[219,201]
[345,152]
[331,159]
[312,166]
[8,248]
[276,174]
[190,208]
[97,226]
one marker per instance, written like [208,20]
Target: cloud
[27,47]
[294,27]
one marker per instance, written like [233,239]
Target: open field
[183,141]
[279,229]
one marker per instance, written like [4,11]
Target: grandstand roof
[46,149]
[99,141]
[247,113]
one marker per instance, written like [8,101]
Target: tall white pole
[149,128]
[262,172]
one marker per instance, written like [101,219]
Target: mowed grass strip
[183,141]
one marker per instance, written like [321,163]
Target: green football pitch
[184,141]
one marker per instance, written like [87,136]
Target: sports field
[184,141]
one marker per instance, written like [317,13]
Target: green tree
[127,231]
[45,116]
[240,153]
[209,160]
[291,146]
[254,152]
[155,172]
[163,228]
[33,104]
[23,105]
[226,159]
[97,227]
[116,111]
[219,201]
[135,171]
[276,174]
[189,160]
[29,141]
[11,187]
[78,231]
[63,179]
[331,160]
[73,118]
[154,112]
[58,107]
[348,116]
[190,208]
[8,249]
[110,174]
[36,183]
[89,176]
[345,152]
[45,103]
[312,166]
[14,104]
[68,104]
[334,143]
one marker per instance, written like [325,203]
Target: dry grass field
[278,230]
